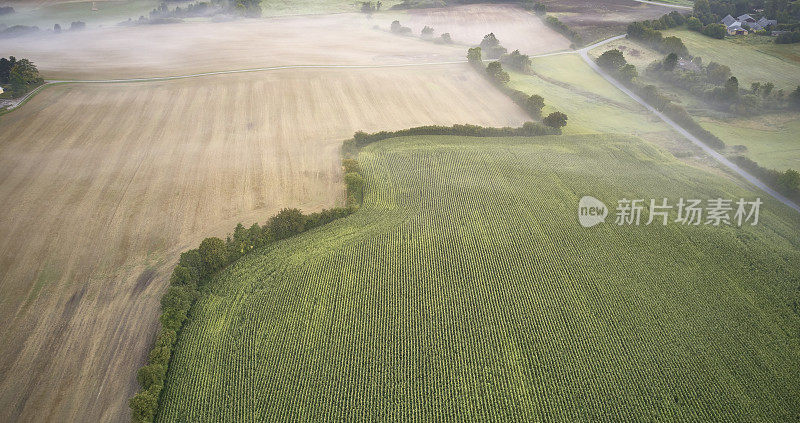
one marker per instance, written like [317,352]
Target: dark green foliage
[611,60]
[556,120]
[694,24]
[648,32]
[794,98]
[474,56]
[355,188]
[182,276]
[496,73]
[151,374]
[627,72]
[490,45]
[287,223]
[517,60]
[213,254]
[788,37]
[445,38]
[143,406]
[23,76]
[360,139]
[564,30]
[534,104]
[715,30]
[717,74]
[670,62]
[5,68]
[785,182]
[427,31]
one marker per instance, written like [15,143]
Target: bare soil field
[516,28]
[103,185]
[182,48]
[597,20]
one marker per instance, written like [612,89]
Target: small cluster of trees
[563,29]
[649,32]
[490,46]
[399,29]
[192,10]
[614,61]
[715,84]
[370,7]
[21,75]
[517,61]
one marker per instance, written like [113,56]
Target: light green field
[751,58]
[773,141]
[464,289]
[108,13]
[592,104]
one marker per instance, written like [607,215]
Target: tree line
[532,104]
[196,268]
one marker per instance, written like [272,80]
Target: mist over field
[337,211]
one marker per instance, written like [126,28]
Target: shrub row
[787,182]
[563,29]
[361,139]
[196,267]
[649,33]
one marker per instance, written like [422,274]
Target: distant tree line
[649,33]
[6,10]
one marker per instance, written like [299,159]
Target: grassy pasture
[103,185]
[771,140]
[751,58]
[46,14]
[592,104]
[464,289]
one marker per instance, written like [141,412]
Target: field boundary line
[658,3]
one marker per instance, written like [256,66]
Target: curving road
[696,141]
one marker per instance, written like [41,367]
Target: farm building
[741,25]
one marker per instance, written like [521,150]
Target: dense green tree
[151,374]
[22,76]
[694,24]
[143,407]
[534,105]
[213,254]
[627,72]
[790,180]
[287,223]
[716,73]
[555,120]
[612,60]
[445,38]
[715,30]
[496,72]
[5,68]
[474,55]
[670,62]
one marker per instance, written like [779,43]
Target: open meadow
[104,184]
[465,289]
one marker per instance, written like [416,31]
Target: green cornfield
[465,289]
